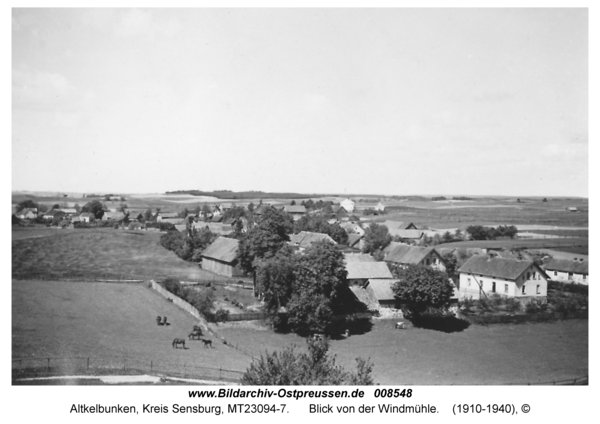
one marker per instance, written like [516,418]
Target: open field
[580,245]
[111,320]
[495,354]
[95,253]
[108,321]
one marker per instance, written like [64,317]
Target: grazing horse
[177,342]
[195,334]
[197,328]
[207,343]
[165,321]
[158,320]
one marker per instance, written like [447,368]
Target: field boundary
[518,318]
[53,366]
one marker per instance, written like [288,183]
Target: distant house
[348,205]
[358,257]
[572,209]
[27,213]
[214,227]
[360,272]
[297,211]
[356,241]
[221,258]
[340,212]
[353,228]
[304,239]
[379,207]
[404,255]
[508,277]
[399,225]
[49,215]
[415,236]
[135,215]
[380,291]
[86,217]
[113,216]
[169,215]
[568,271]
[69,211]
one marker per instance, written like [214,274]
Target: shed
[380,290]
[221,257]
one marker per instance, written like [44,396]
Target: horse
[195,334]
[207,343]
[165,321]
[177,342]
[158,320]
[197,328]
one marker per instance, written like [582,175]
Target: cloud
[40,90]
[138,22]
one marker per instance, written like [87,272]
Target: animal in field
[177,342]
[197,328]
[195,334]
[165,321]
[207,343]
[159,320]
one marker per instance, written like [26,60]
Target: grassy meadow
[95,253]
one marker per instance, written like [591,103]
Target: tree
[420,288]
[26,204]
[148,215]
[95,207]
[315,367]
[318,289]
[275,280]
[251,207]
[123,208]
[377,237]
[293,202]
[265,238]
[479,232]
[319,224]
[545,200]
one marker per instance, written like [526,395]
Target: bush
[467,305]
[512,304]
[201,299]
[172,285]
[222,315]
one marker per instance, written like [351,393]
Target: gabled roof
[407,234]
[86,214]
[294,209]
[382,288]
[169,214]
[354,239]
[358,257]
[68,210]
[222,249]
[406,255]
[566,265]
[305,238]
[364,270]
[508,269]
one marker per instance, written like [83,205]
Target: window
[555,273]
[506,288]
[523,289]
[584,276]
[537,289]
[570,275]
[528,275]
[469,282]
[493,287]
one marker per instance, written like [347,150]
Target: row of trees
[188,247]
[479,232]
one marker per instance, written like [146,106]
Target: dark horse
[159,320]
[177,342]
[207,343]
[195,335]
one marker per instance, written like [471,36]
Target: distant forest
[228,194]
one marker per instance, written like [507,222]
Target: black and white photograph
[263,196]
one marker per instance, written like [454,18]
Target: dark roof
[354,238]
[294,209]
[508,269]
[382,288]
[222,249]
[363,270]
[566,265]
[405,254]
[305,238]
[406,234]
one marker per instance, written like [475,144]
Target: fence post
[124,362]
[220,369]
[48,369]
[150,366]
[88,363]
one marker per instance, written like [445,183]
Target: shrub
[172,285]
[201,299]
[221,315]
[512,304]
[466,305]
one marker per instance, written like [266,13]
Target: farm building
[169,215]
[221,257]
[403,255]
[340,213]
[572,209]
[214,227]
[69,211]
[27,213]
[348,205]
[508,277]
[86,217]
[380,290]
[353,228]
[297,211]
[399,225]
[304,239]
[568,271]
[358,257]
[360,272]
[356,241]
[380,207]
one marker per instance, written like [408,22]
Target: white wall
[469,287]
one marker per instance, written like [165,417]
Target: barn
[221,257]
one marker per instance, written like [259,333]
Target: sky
[372,101]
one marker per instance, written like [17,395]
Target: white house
[507,277]
[568,271]
[348,205]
